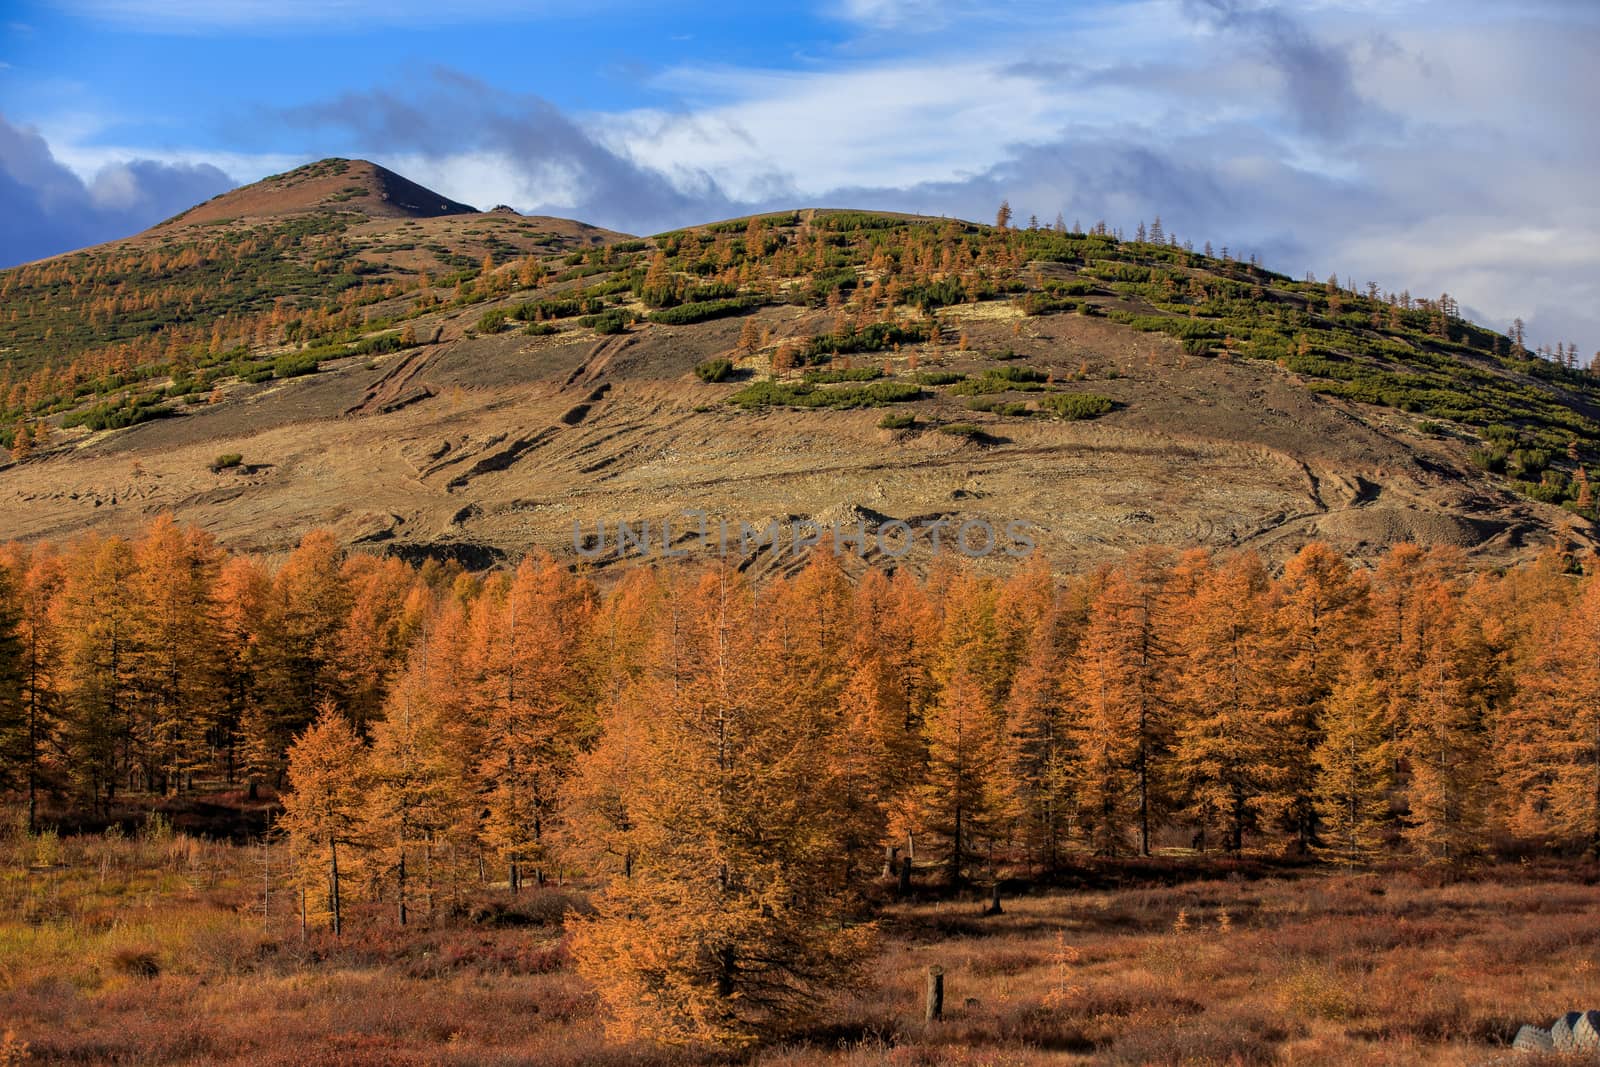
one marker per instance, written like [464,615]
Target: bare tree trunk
[1144,817]
[33,752]
[1144,789]
[402,887]
[333,853]
[427,873]
[955,851]
[1595,843]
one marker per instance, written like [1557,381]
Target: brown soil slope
[329,185]
[482,448]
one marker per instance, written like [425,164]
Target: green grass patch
[874,337]
[610,322]
[832,377]
[714,370]
[296,364]
[1076,405]
[701,311]
[962,429]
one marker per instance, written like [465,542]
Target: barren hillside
[331,185]
[474,384]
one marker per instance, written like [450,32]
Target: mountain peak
[327,185]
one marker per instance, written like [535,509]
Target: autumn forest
[740,770]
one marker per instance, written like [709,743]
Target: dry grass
[155,951]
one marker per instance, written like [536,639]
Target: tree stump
[934,1008]
[994,902]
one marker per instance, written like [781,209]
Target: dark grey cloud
[49,209]
[1317,76]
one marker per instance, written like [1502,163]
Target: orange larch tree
[36,574]
[17,757]
[298,650]
[95,617]
[240,595]
[1226,750]
[1549,741]
[730,924]
[176,670]
[1320,609]
[1121,682]
[1354,766]
[1445,743]
[956,799]
[385,612]
[421,814]
[596,830]
[324,811]
[1039,763]
[533,701]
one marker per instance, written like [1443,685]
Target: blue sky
[1430,144]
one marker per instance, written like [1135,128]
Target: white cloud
[486,179]
[87,161]
[888,126]
[888,14]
